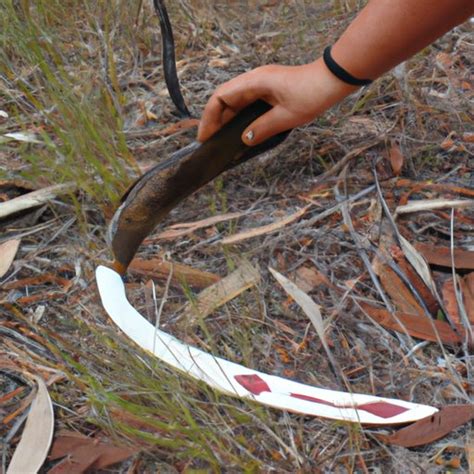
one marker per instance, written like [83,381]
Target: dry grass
[80,75]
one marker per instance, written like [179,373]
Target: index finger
[212,118]
[225,103]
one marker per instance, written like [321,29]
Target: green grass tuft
[71,108]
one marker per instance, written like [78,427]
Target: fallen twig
[430,204]
[185,228]
[265,229]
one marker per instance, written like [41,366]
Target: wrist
[328,90]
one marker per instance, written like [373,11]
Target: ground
[84,79]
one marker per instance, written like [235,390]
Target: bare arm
[385,33]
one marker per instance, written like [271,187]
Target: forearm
[387,32]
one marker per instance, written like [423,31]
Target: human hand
[298,95]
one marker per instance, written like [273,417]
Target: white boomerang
[237,380]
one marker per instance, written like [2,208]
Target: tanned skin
[384,34]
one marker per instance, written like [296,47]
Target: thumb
[276,120]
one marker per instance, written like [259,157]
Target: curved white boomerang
[240,381]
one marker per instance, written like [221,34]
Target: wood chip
[216,295]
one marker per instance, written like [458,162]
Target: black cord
[169,62]
[340,72]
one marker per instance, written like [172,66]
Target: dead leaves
[406,278]
[416,315]
[401,296]
[33,445]
[311,309]
[417,326]
[396,159]
[451,302]
[308,278]
[467,285]
[439,255]
[83,454]
[41,284]
[35,441]
[8,252]
[432,428]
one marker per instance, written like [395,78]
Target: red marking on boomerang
[381,409]
[253,383]
[256,385]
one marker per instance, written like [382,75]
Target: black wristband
[340,72]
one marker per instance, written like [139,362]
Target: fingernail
[249,135]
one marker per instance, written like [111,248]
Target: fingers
[226,102]
[267,125]
[212,118]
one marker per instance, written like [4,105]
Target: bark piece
[160,269]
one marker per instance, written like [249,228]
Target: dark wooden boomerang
[149,200]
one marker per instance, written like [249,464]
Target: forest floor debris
[93,98]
